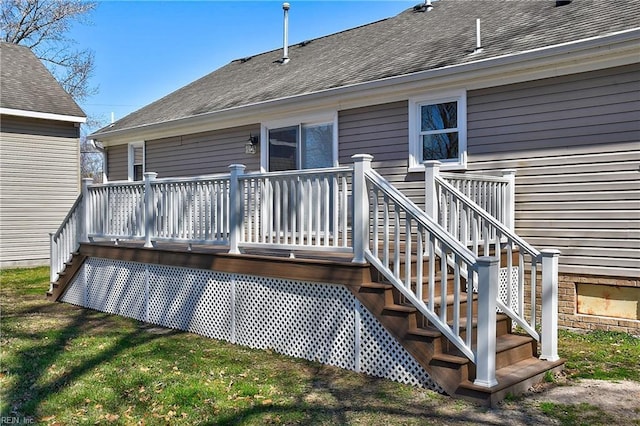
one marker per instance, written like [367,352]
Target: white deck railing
[494,194]
[402,239]
[302,209]
[65,240]
[486,235]
[345,209]
[115,210]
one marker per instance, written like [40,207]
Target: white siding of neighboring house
[39,181]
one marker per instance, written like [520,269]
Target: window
[136,161]
[438,131]
[300,144]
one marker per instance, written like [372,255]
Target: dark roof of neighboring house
[407,43]
[27,85]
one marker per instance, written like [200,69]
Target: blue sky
[145,50]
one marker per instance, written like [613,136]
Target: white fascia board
[43,115]
[585,55]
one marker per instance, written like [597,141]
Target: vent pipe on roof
[478,40]
[425,7]
[285,54]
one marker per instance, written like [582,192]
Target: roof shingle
[407,43]
[27,85]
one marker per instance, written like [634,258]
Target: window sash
[437,121]
[299,147]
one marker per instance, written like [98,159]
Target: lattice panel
[504,283]
[76,291]
[116,287]
[382,356]
[310,321]
[319,322]
[190,299]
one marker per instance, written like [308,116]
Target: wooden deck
[518,366]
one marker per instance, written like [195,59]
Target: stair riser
[517,354]
[463,309]
[502,327]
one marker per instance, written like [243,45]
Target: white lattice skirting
[318,322]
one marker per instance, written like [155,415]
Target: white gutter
[614,49]
[42,115]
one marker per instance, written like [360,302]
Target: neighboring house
[39,156]
[384,261]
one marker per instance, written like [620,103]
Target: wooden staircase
[71,268]
[517,363]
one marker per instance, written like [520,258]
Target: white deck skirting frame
[314,321]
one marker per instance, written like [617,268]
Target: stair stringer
[72,267]
[423,344]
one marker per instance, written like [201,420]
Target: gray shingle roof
[26,84]
[407,43]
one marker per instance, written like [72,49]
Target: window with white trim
[300,143]
[438,130]
[136,161]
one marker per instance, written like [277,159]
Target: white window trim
[317,118]
[415,144]
[132,145]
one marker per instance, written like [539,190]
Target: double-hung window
[300,143]
[438,130]
[136,161]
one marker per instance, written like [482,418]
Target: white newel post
[235,207]
[148,207]
[84,215]
[510,199]
[53,261]
[361,164]
[431,170]
[486,345]
[549,350]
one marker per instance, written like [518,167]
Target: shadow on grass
[32,363]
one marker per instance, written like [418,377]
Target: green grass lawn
[61,364]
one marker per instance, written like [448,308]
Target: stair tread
[399,308]
[515,373]
[376,285]
[463,320]
[451,358]
[504,343]
[437,300]
[425,332]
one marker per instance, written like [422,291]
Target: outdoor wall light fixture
[251,147]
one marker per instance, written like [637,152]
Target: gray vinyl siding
[39,181]
[575,142]
[201,153]
[381,131]
[118,162]
[190,155]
